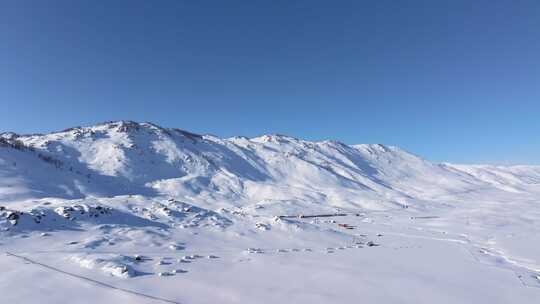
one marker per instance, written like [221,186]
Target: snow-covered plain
[127,212]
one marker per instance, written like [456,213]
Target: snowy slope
[122,157]
[127,211]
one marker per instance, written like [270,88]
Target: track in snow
[96,282]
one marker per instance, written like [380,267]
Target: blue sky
[454,81]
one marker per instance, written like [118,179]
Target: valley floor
[459,254]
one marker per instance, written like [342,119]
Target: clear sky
[454,81]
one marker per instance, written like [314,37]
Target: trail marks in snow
[92,281]
[488,256]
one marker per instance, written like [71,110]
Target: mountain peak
[275,138]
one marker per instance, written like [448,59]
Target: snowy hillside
[134,209]
[122,158]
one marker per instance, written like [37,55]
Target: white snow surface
[133,212]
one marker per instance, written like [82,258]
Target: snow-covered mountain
[137,211]
[124,157]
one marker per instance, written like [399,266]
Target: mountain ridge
[127,157]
